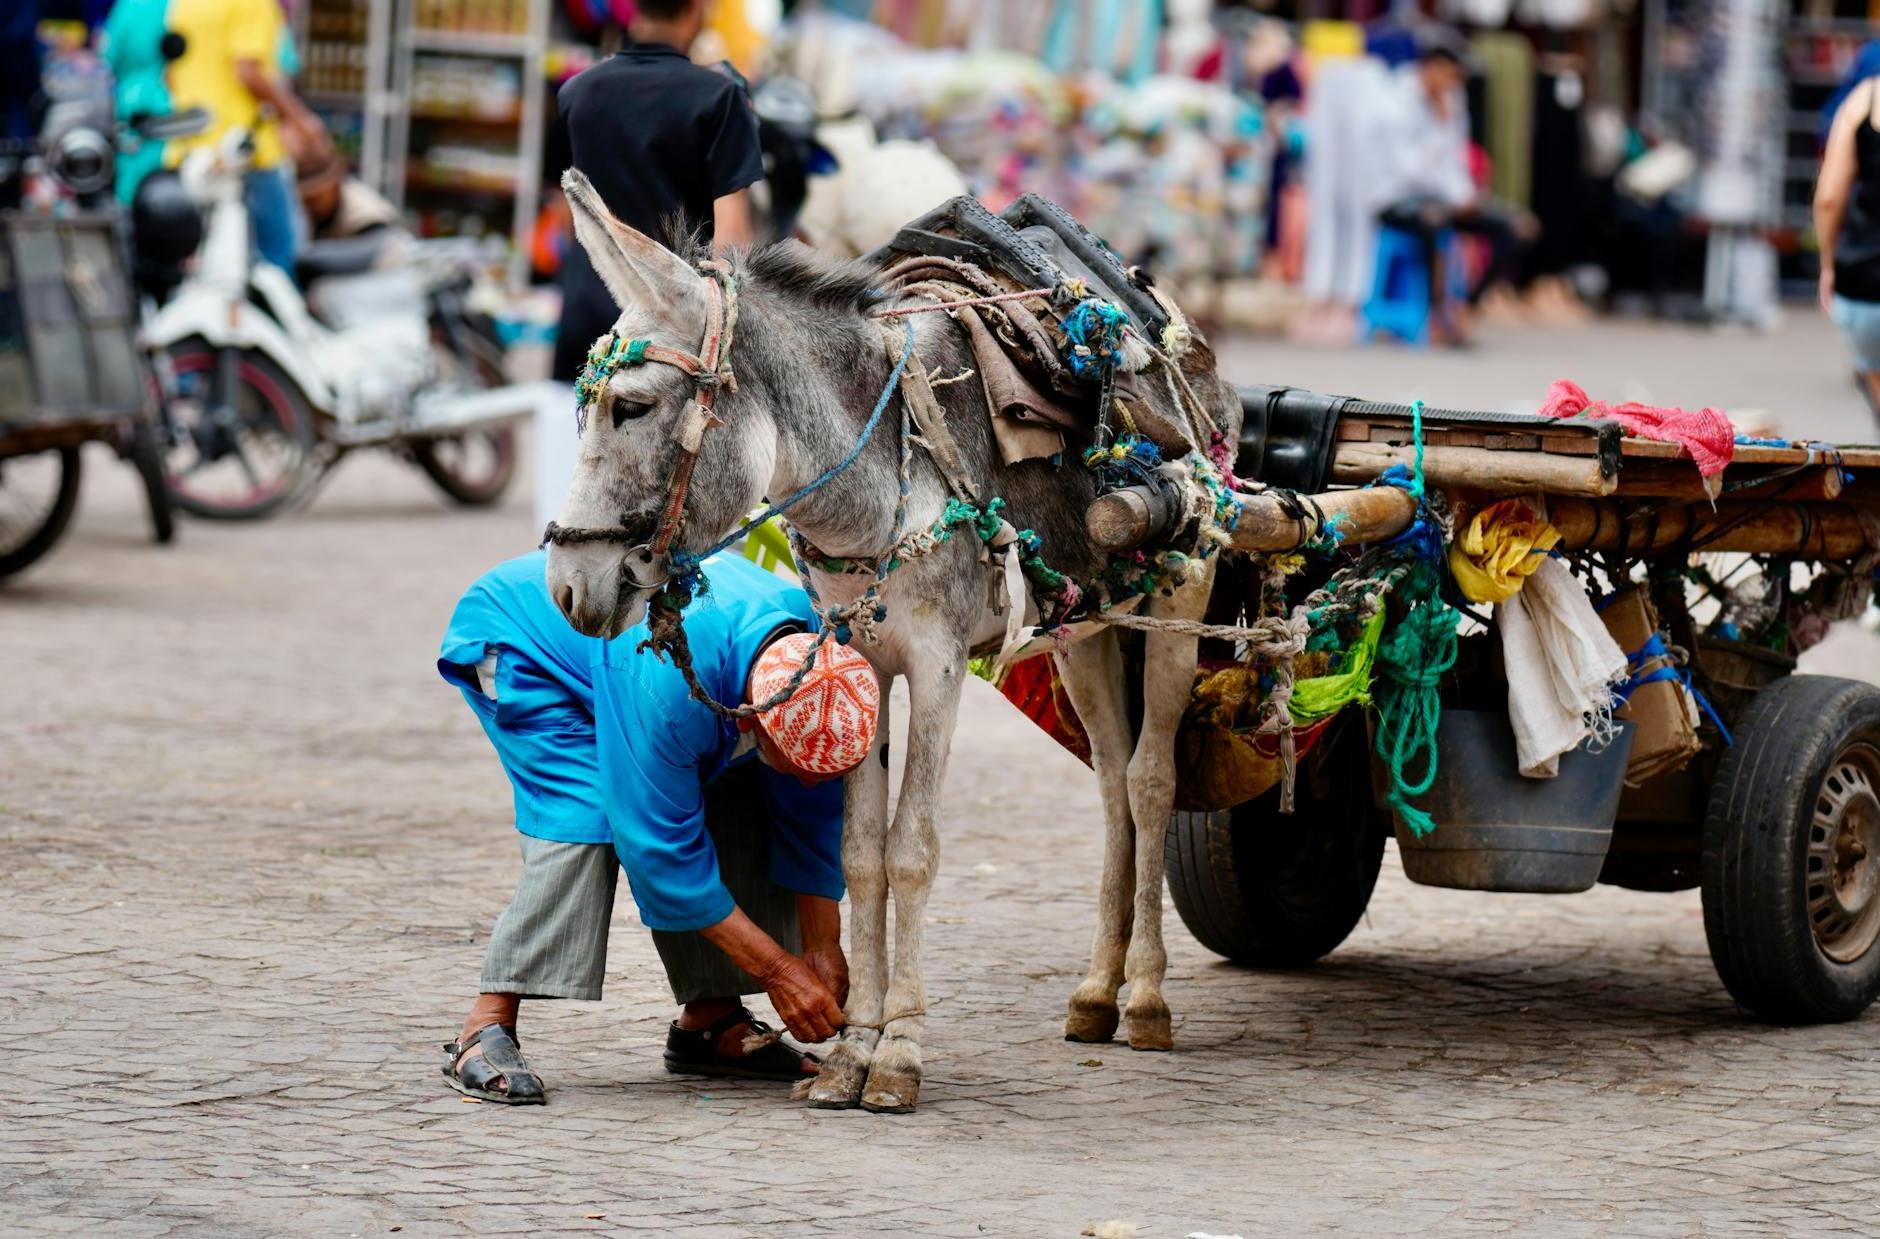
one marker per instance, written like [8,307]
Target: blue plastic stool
[1400,289]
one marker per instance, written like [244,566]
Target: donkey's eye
[629,410]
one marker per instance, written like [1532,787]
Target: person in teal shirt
[133,50]
[732,852]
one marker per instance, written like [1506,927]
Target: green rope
[1413,658]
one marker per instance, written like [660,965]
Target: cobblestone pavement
[250,847]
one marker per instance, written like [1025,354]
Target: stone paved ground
[250,848]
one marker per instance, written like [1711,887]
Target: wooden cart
[71,372]
[1776,819]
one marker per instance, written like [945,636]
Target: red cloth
[1706,436]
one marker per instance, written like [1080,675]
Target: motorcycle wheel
[38,492]
[246,469]
[145,453]
[476,467]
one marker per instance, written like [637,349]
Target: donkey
[809,364]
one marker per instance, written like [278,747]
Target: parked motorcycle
[268,388]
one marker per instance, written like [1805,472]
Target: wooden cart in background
[71,373]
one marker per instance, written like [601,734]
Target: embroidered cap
[827,725]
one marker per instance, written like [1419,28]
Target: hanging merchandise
[1118,38]
[1507,62]
[1562,666]
[1344,144]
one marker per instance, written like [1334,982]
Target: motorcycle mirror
[168,126]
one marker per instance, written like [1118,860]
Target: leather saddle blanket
[1039,406]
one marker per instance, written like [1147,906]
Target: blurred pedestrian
[1430,189]
[230,67]
[1847,227]
[663,141]
[730,833]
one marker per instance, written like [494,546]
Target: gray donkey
[810,361]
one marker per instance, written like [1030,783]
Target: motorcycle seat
[342,256]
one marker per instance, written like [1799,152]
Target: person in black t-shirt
[659,137]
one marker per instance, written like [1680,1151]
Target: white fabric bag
[1561,664]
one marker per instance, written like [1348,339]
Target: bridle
[648,565]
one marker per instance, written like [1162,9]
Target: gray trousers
[551,942]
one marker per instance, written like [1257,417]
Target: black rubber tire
[58,516]
[466,491]
[146,456]
[481,355]
[1756,836]
[1275,891]
[272,384]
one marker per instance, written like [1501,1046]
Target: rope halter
[647,564]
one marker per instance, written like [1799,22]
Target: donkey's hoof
[1150,1027]
[893,1078]
[838,1086]
[1092,1017]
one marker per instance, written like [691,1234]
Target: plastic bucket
[1498,831]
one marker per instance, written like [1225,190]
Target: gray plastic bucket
[1498,831]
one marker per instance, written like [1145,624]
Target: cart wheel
[38,491]
[1791,866]
[1276,891]
[146,456]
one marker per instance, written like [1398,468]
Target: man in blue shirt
[730,835]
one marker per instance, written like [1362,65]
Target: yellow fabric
[1499,547]
[1332,40]
[217,34]
[744,45]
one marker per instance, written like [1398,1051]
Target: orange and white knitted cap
[828,724]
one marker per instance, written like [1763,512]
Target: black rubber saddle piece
[1035,242]
[962,229]
[1078,251]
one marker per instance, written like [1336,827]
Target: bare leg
[1167,682]
[1093,674]
[488,1009]
[864,871]
[913,856]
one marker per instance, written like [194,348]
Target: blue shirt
[604,743]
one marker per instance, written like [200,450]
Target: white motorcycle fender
[226,324]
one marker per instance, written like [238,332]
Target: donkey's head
[630,447]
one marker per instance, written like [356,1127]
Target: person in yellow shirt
[230,68]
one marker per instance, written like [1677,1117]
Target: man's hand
[832,967]
[803,1001]
[1826,291]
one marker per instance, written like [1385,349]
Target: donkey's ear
[637,270]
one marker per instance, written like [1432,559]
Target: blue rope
[685,563]
[1655,647]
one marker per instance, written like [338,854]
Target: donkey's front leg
[934,681]
[1168,677]
[1093,672]
[865,872]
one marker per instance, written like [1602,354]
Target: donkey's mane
[796,270]
[790,269]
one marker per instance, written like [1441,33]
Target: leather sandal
[694,1052]
[501,1059]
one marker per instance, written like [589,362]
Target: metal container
[1498,831]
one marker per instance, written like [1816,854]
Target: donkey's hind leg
[1093,671]
[865,873]
[1168,677]
[934,680]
